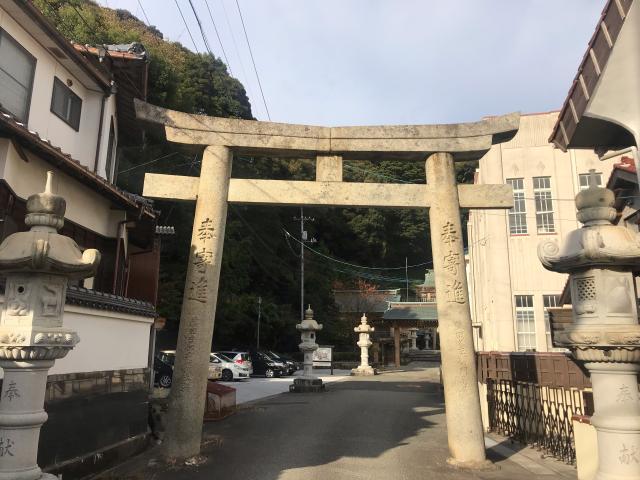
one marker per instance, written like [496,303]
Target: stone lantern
[604,334]
[37,264]
[364,329]
[308,382]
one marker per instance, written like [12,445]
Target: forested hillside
[259,260]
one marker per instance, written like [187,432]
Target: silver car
[241,358]
[230,369]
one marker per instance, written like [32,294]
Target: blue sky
[365,62]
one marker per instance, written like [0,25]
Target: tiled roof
[424,311]
[10,127]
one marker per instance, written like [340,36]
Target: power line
[204,37]
[215,29]
[235,47]
[148,163]
[144,13]
[186,26]
[351,264]
[244,28]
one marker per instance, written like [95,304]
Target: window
[17,67]
[517,214]
[544,204]
[584,180]
[65,104]
[549,301]
[525,323]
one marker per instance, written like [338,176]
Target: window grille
[549,301]
[517,214]
[525,323]
[544,204]
[17,67]
[65,104]
[583,179]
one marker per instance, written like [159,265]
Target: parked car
[265,365]
[169,357]
[230,370]
[290,365]
[162,372]
[241,358]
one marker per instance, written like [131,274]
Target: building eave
[92,75]
[576,127]
[30,140]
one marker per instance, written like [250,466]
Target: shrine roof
[412,311]
[17,131]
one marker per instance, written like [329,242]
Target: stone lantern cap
[309,324]
[364,327]
[598,243]
[42,249]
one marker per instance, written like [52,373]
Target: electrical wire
[215,29]
[204,36]
[255,69]
[236,49]
[148,163]
[144,13]
[186,26]
[347,263]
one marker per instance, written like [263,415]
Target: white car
[230,369]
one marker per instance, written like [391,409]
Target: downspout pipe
[116,270]
[97,157]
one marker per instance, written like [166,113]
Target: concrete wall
[81,144]
[502,265]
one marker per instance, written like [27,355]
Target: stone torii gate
[223,138]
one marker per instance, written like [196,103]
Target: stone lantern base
[307,385]
[363,371]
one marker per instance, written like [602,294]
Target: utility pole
[259,314]
[304,238]
[406,275]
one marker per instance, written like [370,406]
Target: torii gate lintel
[440,145]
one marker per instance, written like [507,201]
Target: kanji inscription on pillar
[205,230]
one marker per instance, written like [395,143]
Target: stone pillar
[188,392]
[414,339]
[38,265]
[464,417]
[364,330]
[604,332]
[616,419]
[308,382]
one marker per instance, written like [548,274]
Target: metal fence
[532,398]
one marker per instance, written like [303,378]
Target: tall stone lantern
[308,382]
[600,259]
[38,265]
[364,330]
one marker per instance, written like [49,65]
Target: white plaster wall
[81,144]
[108,341]
[506,265]
[84,206]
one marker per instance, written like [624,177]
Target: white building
[509,287]
[63,107]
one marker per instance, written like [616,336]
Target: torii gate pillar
[214,189]
[184,425]
[462,399]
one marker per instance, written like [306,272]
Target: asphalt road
[391,426]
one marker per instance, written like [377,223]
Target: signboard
[323,357]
